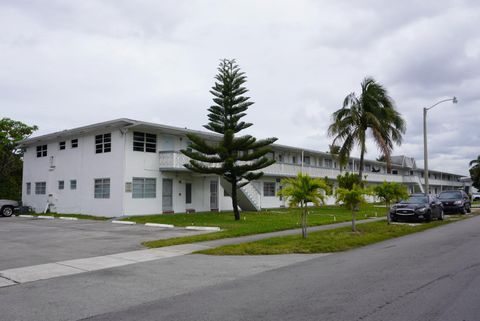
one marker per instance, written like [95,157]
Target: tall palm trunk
[362,154]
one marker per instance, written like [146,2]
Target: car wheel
[7,211]
[441,216]
[463,210]
[428,217]
[469,209]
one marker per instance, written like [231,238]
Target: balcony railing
[172,160]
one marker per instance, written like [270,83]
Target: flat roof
[131,123]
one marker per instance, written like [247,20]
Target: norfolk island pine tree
[235,158]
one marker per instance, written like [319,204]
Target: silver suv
[7,207]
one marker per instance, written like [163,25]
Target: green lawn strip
[250,222]
[79,216]
[335,240]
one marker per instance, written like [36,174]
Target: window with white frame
[102,188]
[144,187]
[103,143]
[74,143]
[29,188]
[73,184]
[268,188]
[40,188]
[42,151]
[143,142]
[61,184]
[306,160]
[61,145]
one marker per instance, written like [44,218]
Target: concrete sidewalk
[69,267]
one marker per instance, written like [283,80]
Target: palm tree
[301,190]
[475,162]
[475,172]
[374,110]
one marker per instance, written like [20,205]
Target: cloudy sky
[70,63]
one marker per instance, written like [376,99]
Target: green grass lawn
[79,216]
[250,222]
[335,240]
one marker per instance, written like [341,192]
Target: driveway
[31,241]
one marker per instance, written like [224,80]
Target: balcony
[174,161]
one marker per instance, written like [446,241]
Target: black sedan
[455,201]
[417,207]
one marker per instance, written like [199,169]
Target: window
[280,158]
[61,145]
[73,184]
[188,193]
[328,163]
[143,142]
[74,143]
[102,188]
[144,187]
[306,160]
[103,143]
[29,188]
[42,151]
[268,189]
[40,188]
[61,184]
[394,172]
[294,159]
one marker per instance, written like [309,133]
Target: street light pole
[425,148]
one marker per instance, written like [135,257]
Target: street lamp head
[454,100]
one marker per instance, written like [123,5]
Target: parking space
[32,241]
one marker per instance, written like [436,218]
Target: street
[432,275]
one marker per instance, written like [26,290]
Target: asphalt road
[433,275]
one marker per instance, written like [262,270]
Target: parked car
[7,207]
[475,197]
[417,207]
[455,201]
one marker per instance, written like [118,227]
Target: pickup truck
[7,207]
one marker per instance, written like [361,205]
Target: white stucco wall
[81,164]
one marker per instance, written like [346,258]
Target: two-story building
[129,167]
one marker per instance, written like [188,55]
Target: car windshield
[414,200]
[450,195]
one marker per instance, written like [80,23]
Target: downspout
[124,131]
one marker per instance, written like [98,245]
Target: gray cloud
[64,64]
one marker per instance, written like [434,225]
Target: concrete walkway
[62,268]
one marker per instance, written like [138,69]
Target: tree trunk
[387,204]
[354,228]
[360,169]
[304,221]
[236,213]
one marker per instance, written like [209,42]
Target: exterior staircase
[248,197]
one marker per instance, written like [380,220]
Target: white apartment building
[129,167]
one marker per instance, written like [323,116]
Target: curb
[25,215]
[159,225]
[68,218]
[46,217]
[124,222]
[203,228]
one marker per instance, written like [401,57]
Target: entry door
[167,195]
[214,195]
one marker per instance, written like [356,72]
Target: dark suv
[417,207]
[455,201]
